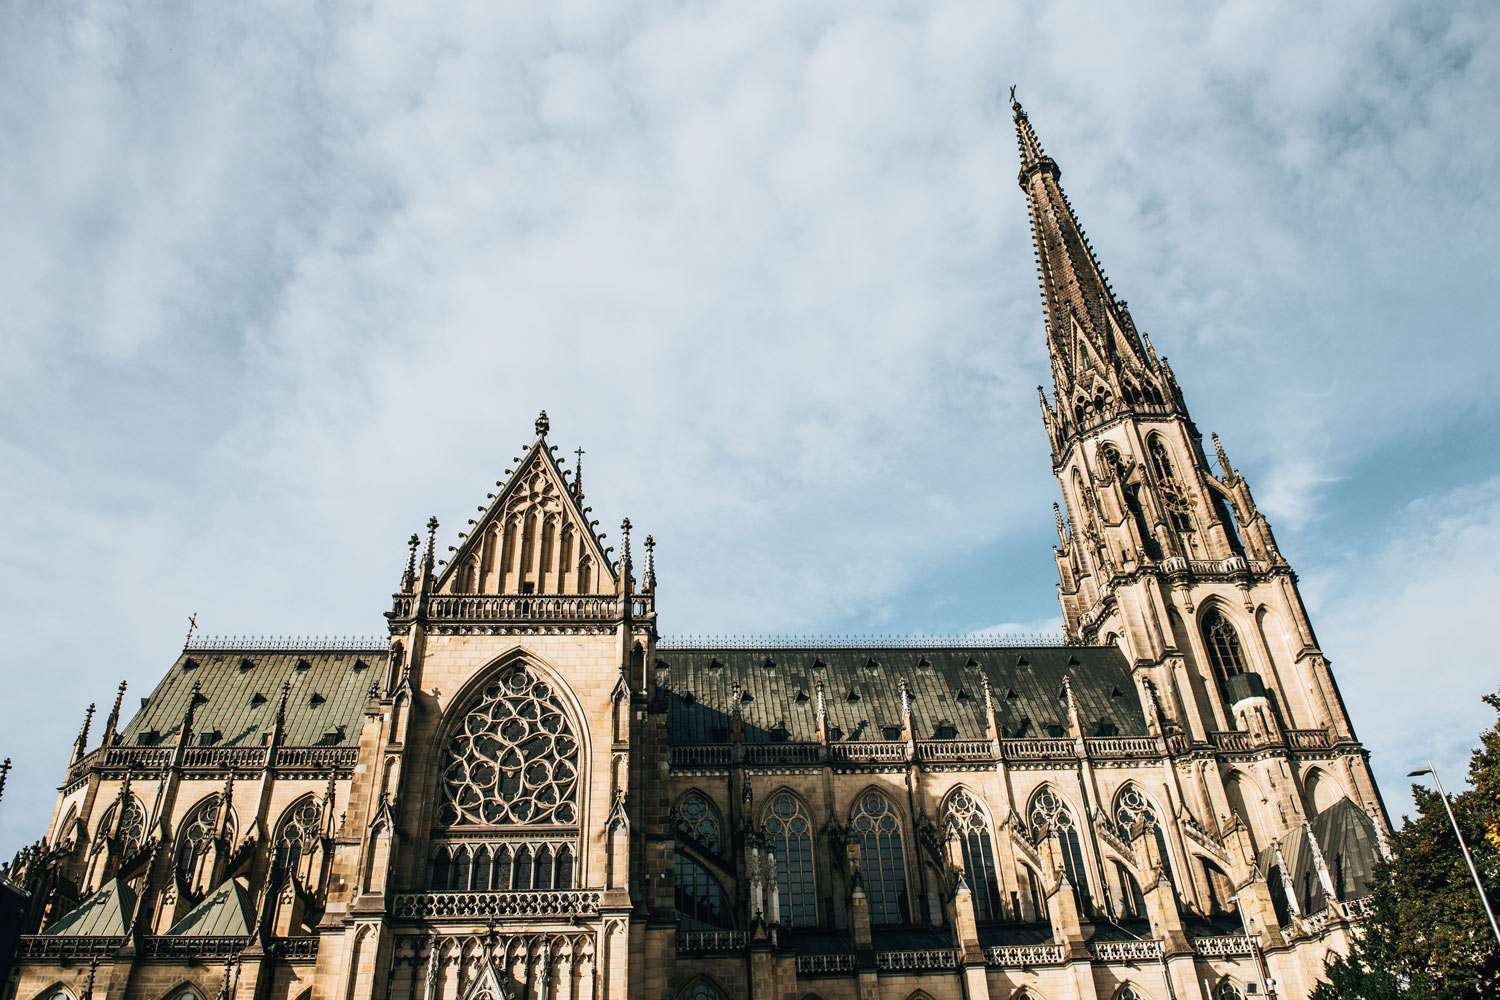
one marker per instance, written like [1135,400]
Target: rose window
[514,759]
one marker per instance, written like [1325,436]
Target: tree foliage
[1428,937]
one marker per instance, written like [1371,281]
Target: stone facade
[523,791]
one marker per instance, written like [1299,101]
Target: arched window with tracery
[701,990]
[967,821]
[698,822]
[700,898]
[295,838]
[195,845]
[1225,655]
[131,833]
[876,828]
[1228,991]
[789,836]
[1129,992]
[508,790]
[1173,492]
[1132,810]
[1050,817]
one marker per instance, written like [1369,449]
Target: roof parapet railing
[964,640]
[309,643]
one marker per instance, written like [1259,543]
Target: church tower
[1162,555]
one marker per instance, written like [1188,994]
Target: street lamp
[1429,769]
[1260,973]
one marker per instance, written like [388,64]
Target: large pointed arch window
[1133,811]
[1050,817]
[700,898]
[789,836]
[132,829]
[295,838]
[698,822]
[508,791]
[196,843]
[876,828]
[967,821]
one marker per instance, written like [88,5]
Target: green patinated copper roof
[861,688]
[106,913]
[225,912]
[240,690]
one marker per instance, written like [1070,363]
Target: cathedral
[527,791]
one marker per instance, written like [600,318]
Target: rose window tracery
[514,760]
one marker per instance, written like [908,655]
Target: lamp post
[1260,972]
[1429,769]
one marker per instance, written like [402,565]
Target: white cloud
[1407,626]
[278,281]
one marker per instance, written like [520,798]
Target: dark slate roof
[242,688]
[1346,836]
[106,913]
[226,912]
[862,691]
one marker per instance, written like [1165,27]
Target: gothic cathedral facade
[524,791]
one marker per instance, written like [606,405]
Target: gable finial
[409,579]
[650,564]
[81,744]
[4,773]
[432,527]
[625,547]
[578,475]
[111,723]
[192,627]
[543,425]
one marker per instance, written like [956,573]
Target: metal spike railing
[365,643]
[965,640]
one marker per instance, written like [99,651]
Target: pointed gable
[106,913]
[226,912]
[534,538]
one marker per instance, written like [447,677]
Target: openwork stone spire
[1099,362]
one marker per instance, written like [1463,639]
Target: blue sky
[280,282]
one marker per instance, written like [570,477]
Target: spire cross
[578,474]
[192,627]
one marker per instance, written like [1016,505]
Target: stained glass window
[876,827]
[789,836]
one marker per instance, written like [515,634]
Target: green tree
[1428,937]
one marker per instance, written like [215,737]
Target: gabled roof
[106,913]
[239,690]
[537,485]
[1346,837]
[225,912]
[861,690]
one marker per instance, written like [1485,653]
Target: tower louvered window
[1223,643]
[877,829]
[507,817]
[789,836]
[967,820]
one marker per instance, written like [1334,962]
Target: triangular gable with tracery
[486,984]
[533,538]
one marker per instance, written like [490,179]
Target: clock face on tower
[1175,496]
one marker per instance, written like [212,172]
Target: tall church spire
[1099,362]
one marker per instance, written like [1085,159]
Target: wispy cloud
[281,280]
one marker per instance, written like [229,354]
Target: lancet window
[1132,808]
[967,821]
[297,837]
[698,821]
[1050,817]
[1225,655]
[196,843]
[789,836]
[876,827]
[508,813]
[700,899]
